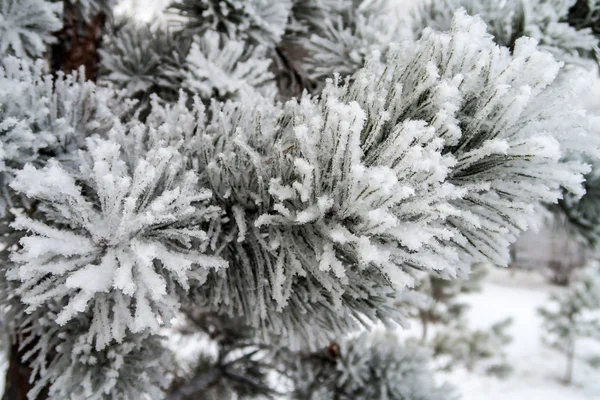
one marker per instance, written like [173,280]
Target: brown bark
[17,383]
[78,44]
[17,377]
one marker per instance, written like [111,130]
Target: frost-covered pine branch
[144,61]
[43,117]
[347,33]
[493,111]
[373,366]
[27,27]
[304,221]
[543,20]
[260,21]
[219,67]
[124,246]
[353,185]
[149,61]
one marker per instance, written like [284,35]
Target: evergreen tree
[442,304]
[573,315]
[484,349]
[446,331]
[247,177]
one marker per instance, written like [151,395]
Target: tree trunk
[17,377]
[570,360]
[78,44]
[425,331]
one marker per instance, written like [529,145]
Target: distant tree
[445,329]
[573,314]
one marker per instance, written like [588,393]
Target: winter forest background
[300,199]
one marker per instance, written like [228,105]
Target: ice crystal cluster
[204,185]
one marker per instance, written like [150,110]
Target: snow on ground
[537,368]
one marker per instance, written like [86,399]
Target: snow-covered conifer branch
[144,61]
[349,33]
[543,20]
[219,67]
[27,26]
[333,203]
[500,118]
[124,243]
[261,21]
[373,366]
[43,117]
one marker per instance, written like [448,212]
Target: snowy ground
[537,369]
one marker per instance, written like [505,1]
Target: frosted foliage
[350,33]
[312,227]
[124,246]
[508,20]
[90,8]
[564,41]
[585,14]
[261,21]
[575,313]
[42,116]
[26,26]
[65,365]
[504,125]
[483,349]
[583,214]
[221,67]
[372,366]
[310,14]
[144,61]
[334,203]
[133,369]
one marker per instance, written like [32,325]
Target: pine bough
[305,219]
